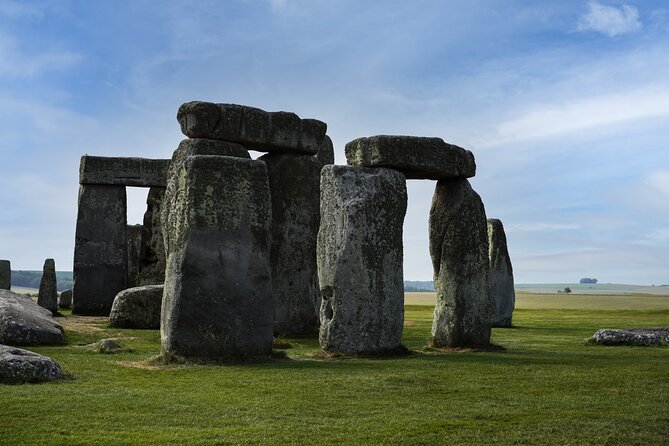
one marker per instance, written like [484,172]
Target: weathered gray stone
[18,366]
[360,259]
[186,149]
[500,278]
[152,259]
[140,172]
[134,235]
[5,275]
[65,300]
[107,346]
[252,127]
[137,307]
[100,250]
[325,153]
[417,157]
[459,251]
[218,295]
[23,322]
[294,182]
[632,336]
[48,292]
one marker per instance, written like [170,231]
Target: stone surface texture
[137,307]
[459,251]
[294,182]
[134,235]
[632,336]
[186,149]
[139,172]
[218,294]
[500,278]
[416,156]
[18,366]
[65,300]
[254,128]
[325,153]
[48,292]
[360,259]
[5,275]
[152,253]
[100,250]
[23,322]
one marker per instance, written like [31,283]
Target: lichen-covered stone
[252,127]
[23,322]
[294,182]
[100,249]
[631,336]
[360,259]
[188,148]
[48,292]
[325,153]
[134,234]
[65,300]
[18,366]
[139,172]
[500,278]
[5,275]
[459,251]
[152,257]
[137,307]
[218,294]
[415,156]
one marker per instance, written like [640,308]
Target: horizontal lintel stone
[416,156]
[252,127]
[140,172]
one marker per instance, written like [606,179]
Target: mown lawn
[548,387]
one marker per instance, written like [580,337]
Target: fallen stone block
[137,307]
[23,322]
[18,366]
[631,336]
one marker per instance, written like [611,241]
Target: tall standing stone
[459,251]
[218,294]
[134,234]
[48,293]
[5,275]
[360,259]
[502,293]
[294,182]
[100,250]
[152,258]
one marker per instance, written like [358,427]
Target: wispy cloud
[543,227]
[15,9]
[659,180]
[20,64]
[610,20]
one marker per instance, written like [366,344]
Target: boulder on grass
[18,366]
[23,322]
[137,307]
[631,336]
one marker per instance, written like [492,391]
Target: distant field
[538,301]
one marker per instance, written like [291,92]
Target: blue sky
[564,104]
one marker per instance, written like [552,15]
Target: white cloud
[659,180]
[610,20]
[543,227]
[15,9]
[17,64]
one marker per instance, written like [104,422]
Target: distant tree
[588,280]
[567,290]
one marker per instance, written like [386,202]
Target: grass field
[548,387]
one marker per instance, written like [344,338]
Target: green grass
[548,387]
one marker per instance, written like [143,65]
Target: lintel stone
[252,127]
[140,172]
[415,156]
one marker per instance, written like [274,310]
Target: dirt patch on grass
[84,324]
[144,365]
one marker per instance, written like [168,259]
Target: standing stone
[188,148]
[5,275]
[360,259]
[65,299]
[218,293]
[100,250]
[48,294]
[294,182]
[502,293]
[325,153]
[134,234]
[152,259]
[459,251]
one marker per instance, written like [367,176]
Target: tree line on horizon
[31,279]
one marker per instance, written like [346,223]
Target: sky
[565,106]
